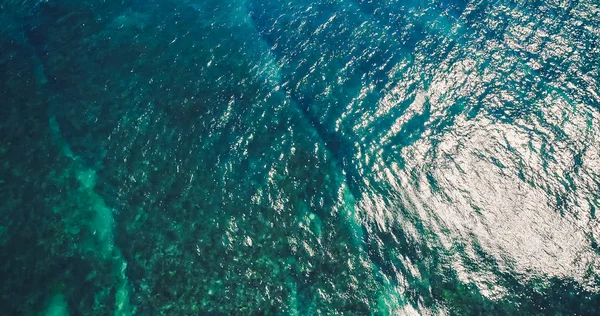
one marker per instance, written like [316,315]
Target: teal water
[174,157]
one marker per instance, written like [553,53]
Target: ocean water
[308,157]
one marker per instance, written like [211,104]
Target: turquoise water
[166,157]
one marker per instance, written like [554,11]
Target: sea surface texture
[305,157]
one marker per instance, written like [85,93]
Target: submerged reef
[167,157]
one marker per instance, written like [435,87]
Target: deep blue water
[174,157]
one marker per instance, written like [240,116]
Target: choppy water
[167,157]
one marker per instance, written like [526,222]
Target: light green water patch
[102,222]
[123,305]
[102,227]
[87,178]
[293,301]
[311,219]
[347,211]
[390,300]
[315,223]
[57,306]
[55,132]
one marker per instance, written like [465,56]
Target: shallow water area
[172,157]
